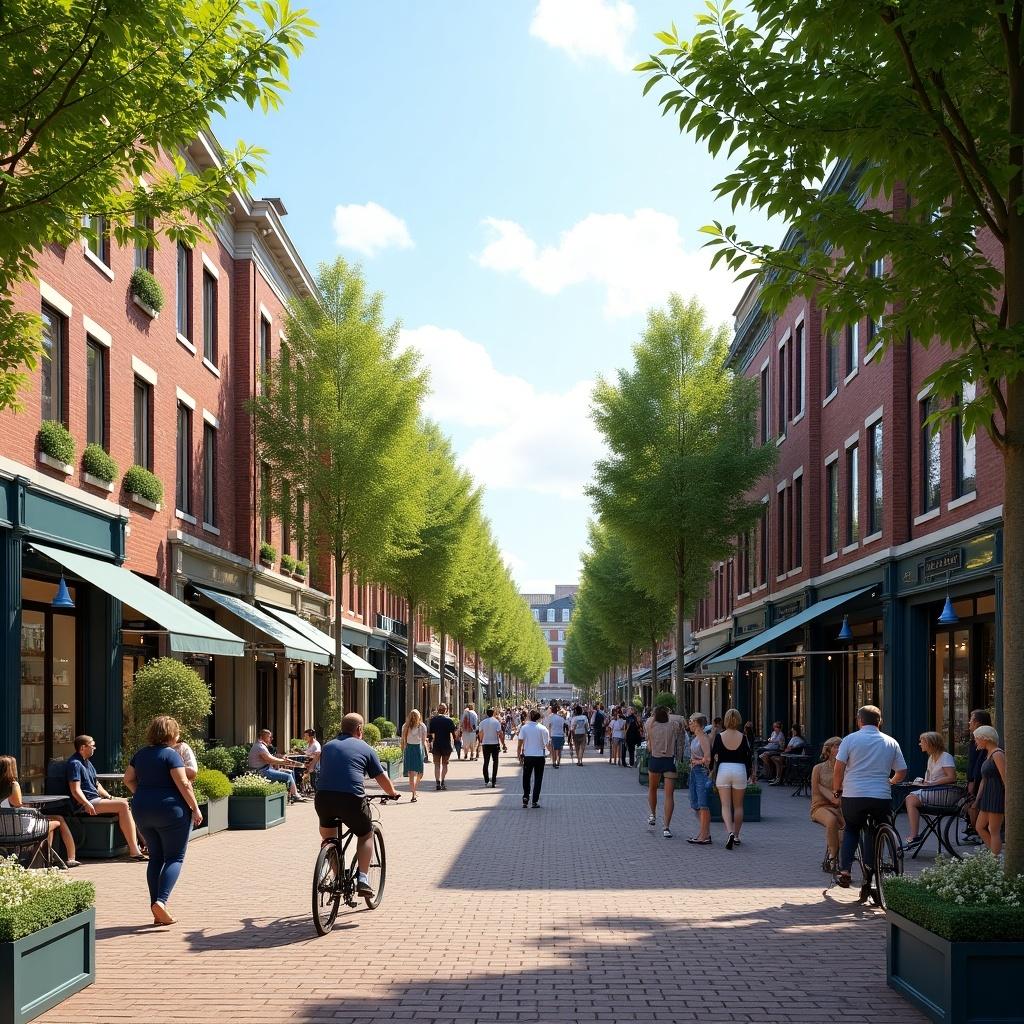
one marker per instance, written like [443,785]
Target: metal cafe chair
[25,831]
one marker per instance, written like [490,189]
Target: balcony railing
[390,625]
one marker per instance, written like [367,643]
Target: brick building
[871,520]
[168,391]
[554,613]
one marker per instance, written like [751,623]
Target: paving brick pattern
[573,913]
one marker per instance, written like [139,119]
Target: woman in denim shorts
[700,779]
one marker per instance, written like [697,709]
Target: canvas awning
[296,646]
[188,631]
[361,668]
[428,671]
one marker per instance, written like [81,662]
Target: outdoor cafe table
[41,800]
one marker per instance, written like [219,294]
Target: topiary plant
[288,563]
[217,759]
[387,729]
[139,480]
[371,734]
[665,699]
[211,784]
[56,441]
[96,461]
[167,687]
[240,759]
[268,553]
[146,288]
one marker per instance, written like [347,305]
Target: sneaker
[437,786]
[298,799]
[363,887]
[699,842]
[731,841]
[736,841]
[910,842]
[666,833]
[651,821]
[526,802]
[535,805]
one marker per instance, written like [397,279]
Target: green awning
[188,631]
[361,668]
[426,670]
[296,646]
[759,642]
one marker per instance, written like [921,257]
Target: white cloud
[523,439]
[587,28]
[369,229]
[638,259]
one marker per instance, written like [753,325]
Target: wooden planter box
[215,817]
[953,982]
[42,969]
[257,812]
[751,806]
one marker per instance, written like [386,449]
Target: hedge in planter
[257,803]
[146,288]
[96,461]
[751,804]
[166,686]
[55,440]
[268,553]
[139,480]
[391,757]
[212,790]
[371,734]
[220,759]
[387,729]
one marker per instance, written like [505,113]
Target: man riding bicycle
[344,762]
[868,764]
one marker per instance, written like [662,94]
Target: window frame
[183,291]
[766,404]
[99,237]
[210,475]
[210,310]
[53,407]
[853,532]
[876,477]
[183,460]
[931,458]
[798,370]
[144,390]
[832,507]
[831,363]
[962,447]
[798,522]
[96,393]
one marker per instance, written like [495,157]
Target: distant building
[554,613]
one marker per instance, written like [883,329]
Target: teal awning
[188,631]
[296,646]
[428,670]
[757,643]
[361,668]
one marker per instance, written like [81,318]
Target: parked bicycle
[879,857]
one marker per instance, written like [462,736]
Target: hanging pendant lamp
[948,617]
[845,633]
[62,599]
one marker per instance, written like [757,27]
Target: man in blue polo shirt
[340,797]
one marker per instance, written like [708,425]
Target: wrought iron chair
[25,831]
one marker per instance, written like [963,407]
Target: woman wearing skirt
[414,740]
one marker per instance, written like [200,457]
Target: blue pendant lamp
[845,633]
[62,599]
[948,617]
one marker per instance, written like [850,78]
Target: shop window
[52,361]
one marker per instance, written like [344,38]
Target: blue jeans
[278,775]
[856,811]
[166,828]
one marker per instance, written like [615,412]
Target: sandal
[843,879]
[72,863]
[138,857]
[694,841]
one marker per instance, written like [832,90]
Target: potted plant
[56,446]
[146,292]
[643,756]
[220,759]
[301,569]
[98,468]
[212,791]
[143,487]
[256,803]
[391,757]
[751,804]
[288,564]
[955,940]
[268,555]
[47,940]
[387,729]
[371,734]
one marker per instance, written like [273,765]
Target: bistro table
[40,801]
[935,818]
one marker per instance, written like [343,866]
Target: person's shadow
[282,931]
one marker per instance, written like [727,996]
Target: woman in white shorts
[731,754]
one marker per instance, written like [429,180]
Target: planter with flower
[56,447]
[143,487]
[955,940]
[751,804]
[391,758]
[146,292]
[268,555]
[213,788]
[47,940]
[256,803]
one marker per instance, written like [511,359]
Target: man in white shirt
[556,726]
[534,743]
[492,740]
[468,724]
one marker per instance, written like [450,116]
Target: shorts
[700,789]
[731,776]
[557,742]
[332,807]
[662,765]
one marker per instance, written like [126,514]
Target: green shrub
[165,686]
[33,900]
[298,744]
[330,712]
[638,703]
[268,553]
[387,729]
[389,753]
[211,784]
[97,461]
[665,699]
[239,759]
[139,480]
[961,764]
[218,759]
[56,441]
[251,784]
[147,288]
[371,734]
[288,563]
[302,568]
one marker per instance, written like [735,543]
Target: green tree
[922,101]
[589,654]
[336,423]
[679,427]
[94,93]
[166,686]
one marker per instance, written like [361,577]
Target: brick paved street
[571,913]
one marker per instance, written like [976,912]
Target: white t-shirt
[490,731]
[579,725]
[618,728]
[469,721]
[187,755]
[313,747]
[935,765]
[417,735]
[535,739]
[557,725]
[870,757]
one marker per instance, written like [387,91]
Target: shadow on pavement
[283,931]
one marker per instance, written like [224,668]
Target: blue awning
[759,642]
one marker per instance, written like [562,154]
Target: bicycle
[886,861]
[333,882]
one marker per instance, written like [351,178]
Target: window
[780,539]
[536,614]
[966,461]
[264,344]
[783,381]
[183,495]
[184,288]
[143,253]
[209,317]
[831,362]
[300,527]
[286,518]
[875,326]
[209,474]
[765,408]
[561,636]
[852,494]
[95,392]
[762,569]
[832,512]
[875,477]
[98,239]
[565,614]
[267,525]
[798,370]
[551,615]
[798,522]
[143,449]
[931,451]
[852,346]
[51,364]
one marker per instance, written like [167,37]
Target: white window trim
[781,486]
[834,457]
[182,340]
[871,353]
[797,473]
[964,499]
[795,572]
[96,261]
[185,516]
[871,420]
[185,398]
[52,297]
[208,417]
[832,395]
[798,417]
[924,392]
[211,529]
[780,439]
[144,372]
[851,440]
[851,547]
[926,516]
[210,266]
[853,373]
[96,332]
[830,558]
[780,579]
[871,538]
[784,340]
[213,369]
[265,313]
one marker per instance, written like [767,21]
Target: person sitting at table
[825,805]
[10,796]
[775,743]
[91,798]
[263,762]
[941,771]
[796,745]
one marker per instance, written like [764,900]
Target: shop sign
[939,565]
[787,610]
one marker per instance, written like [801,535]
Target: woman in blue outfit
[700,779]
[165,809]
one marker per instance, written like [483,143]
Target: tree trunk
[444,669]
[460,696]
[339,665]
[479,685]
[410,666]
[677,673]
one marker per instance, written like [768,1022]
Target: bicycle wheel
[955,831]
[888,860]
[326,888]
[377,870]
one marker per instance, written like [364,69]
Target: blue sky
[492,165]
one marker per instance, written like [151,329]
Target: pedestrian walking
[598,722]
[578,728]
[992,792]
[733,757]
[165,807]
[489,733]
[440,732]
[617,729]
[663,731]
[414,745]
[468,726]
[700,779]
[556,726]
[534,744]
[634,734]
[975,761]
